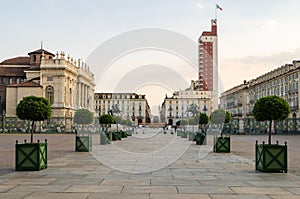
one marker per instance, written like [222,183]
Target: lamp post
[3,121]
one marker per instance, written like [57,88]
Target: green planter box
[116,136]
[31,157]
[83,143]
[222,144]
[124,134]
[184,134]
[179,133]
[192,136]
[200,138]
[129,132]
[271,158]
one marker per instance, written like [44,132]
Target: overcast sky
[254,36]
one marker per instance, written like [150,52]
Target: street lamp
[3,121]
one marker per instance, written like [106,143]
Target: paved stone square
[197,173]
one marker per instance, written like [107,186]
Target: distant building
[131,106]
[283,82]
[176,107]
[67,83]
[208,62]
[203,93]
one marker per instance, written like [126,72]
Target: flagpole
[216,11]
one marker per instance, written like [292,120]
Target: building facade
[176,107]
[208,62]
[131,106]
[67,83]
[283,82]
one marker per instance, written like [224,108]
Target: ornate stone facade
[66,82]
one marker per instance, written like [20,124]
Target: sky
[254,37]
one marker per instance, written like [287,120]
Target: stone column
[88,98]
[84,96]
[81,95]
[241,126]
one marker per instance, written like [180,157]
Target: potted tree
[183,133]
[193,121]
[200,137]
[106,120]
[271,157]
[83,142]
[221,143]
[32,156]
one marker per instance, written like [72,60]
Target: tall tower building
[208,62]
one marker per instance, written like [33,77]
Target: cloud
[200,6]
[270,24]
[250,67]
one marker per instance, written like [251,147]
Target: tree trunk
[270,128]
[32,129]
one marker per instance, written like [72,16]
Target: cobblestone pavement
[81,175]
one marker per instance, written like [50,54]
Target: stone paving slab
[81,175]
[150,189]
[205,189]
[41,188]
[285,197]
[38,195]
[5,188]
[29,181]
[260,190]
[117,196]
[94,188]
[16,195]
[253,196]
[180,196]
[127,182]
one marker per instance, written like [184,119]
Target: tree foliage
[203,118]
[271,108]
[183,122]
[127,122]
[83,116]
[218,116]
[193,121]
[34,109]
[118,119]
[227,117]
[106,119]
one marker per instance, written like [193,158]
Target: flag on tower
[218,7]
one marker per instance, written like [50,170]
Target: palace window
[50,94]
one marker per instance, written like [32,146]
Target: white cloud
[250,67]
[270,24]
[200,6]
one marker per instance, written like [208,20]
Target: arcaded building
[282,81]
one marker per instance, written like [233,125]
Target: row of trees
[219,116]
[267,108]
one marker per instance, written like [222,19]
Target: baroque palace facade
[283,82]
[131,106]
[67,83]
